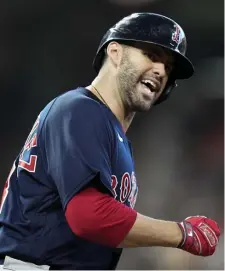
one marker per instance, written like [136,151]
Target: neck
[105,88]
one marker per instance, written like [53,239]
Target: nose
[159,69]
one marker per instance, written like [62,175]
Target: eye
[169,67]
[151,56]
[156,58]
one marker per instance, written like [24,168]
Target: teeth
[149,82]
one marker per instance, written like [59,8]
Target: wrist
[180,235]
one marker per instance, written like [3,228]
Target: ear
[114,52]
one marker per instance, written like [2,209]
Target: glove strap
[188,234]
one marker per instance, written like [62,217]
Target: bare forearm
[147,232]
[104,220]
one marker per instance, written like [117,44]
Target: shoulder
[77,108]
[79,98]
[77,103]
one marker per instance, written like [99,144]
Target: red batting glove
[200,235]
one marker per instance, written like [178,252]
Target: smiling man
[69,200]
[140,78]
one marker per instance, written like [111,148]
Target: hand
[200,235]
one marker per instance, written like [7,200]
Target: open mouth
[149,84]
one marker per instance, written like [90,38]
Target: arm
[147,232]
[99,218]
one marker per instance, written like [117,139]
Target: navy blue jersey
[76,139]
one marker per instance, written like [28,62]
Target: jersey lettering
[114,185]
[134,191]
[6,187]
[125,187]
[128,189]
[27,161]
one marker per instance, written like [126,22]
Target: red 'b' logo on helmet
[176,35]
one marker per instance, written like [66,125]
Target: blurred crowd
[47,48]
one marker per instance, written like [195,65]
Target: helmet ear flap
[171,84]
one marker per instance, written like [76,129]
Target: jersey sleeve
[78,146]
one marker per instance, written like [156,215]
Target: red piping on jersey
[99,218]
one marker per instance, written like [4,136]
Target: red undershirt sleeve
[99,218]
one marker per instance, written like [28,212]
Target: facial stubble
[127,81]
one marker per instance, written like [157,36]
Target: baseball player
[69,199]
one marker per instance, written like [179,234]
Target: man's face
[142,75]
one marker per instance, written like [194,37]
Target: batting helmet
[155,29]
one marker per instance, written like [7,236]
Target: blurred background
[47,48]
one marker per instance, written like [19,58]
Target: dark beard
[127,84]
[127,81]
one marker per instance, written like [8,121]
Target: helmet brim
[183,68]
